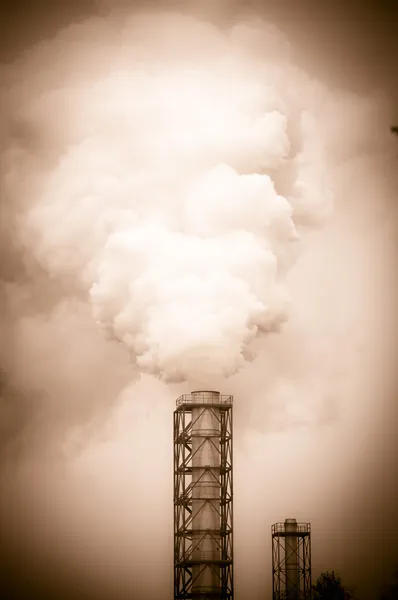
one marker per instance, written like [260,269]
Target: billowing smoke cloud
[177,201]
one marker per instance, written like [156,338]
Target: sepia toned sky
[86,441]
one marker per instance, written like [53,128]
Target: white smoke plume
[164,203]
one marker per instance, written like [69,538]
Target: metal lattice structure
[291,560]
[203,493]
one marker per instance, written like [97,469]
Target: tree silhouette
[329,587]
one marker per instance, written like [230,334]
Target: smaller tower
[291,560]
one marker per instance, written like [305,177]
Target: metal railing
[298,528]
[204,399]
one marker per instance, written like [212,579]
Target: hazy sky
[86,440]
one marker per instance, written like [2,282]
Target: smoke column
[167,223]
[164,206]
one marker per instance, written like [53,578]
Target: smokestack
[203,548]
[291,560]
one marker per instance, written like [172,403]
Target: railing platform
[299,529]
[204,399]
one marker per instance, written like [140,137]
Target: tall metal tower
[203,548]
[291,560]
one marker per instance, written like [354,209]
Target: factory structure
[291,560]
[203,494]
[203,509]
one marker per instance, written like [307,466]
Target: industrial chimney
[203,548]
[291,560]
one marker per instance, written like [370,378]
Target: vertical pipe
[291,560]
[206,538]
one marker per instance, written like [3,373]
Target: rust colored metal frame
[303,535]
[183,487]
